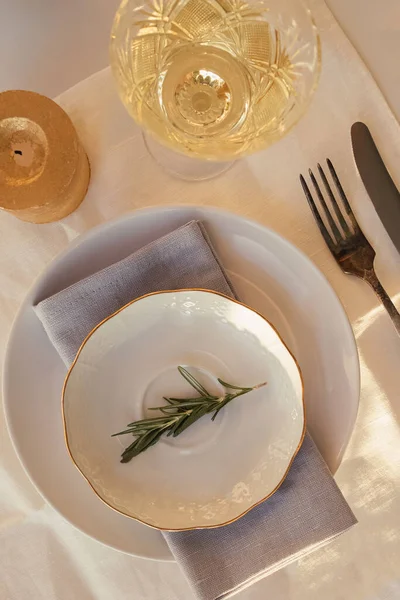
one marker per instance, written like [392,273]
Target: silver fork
[349,246]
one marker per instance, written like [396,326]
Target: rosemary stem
[179,414]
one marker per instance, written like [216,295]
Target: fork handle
[376,285]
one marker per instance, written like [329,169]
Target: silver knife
[377,181]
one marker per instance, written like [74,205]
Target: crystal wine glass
[214,79]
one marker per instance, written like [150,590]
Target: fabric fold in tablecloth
[306,512]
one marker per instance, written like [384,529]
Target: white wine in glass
[215,79]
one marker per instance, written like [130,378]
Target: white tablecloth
[42,556]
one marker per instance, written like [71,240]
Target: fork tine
[324,231]
[342,195]
[336,233]
[339,215]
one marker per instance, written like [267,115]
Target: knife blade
[377,181]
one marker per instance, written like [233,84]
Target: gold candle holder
[44,170]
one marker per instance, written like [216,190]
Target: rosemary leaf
[129,452]
[193,382]
[174,428]
[197,399]
[146,440]
[171,401]
[122,432]
[184,404]
[150,421]
[196,414]
[233,387]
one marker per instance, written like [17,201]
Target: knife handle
[376,285]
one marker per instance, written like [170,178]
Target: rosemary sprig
[178,414]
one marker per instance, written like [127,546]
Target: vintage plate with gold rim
[215,471]
[269,274]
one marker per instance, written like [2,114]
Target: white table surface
[45,46]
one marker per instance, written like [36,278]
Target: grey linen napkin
[305,513]
[184,258]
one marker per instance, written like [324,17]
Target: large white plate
[269,275]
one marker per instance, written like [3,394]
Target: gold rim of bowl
[198,526]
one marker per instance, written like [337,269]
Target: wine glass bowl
[215,79]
